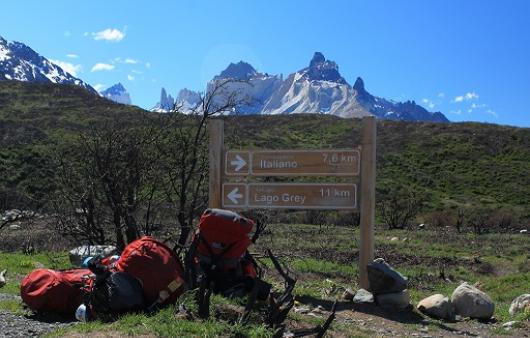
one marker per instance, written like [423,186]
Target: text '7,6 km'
[292,163]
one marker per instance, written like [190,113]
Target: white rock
[78,254]
[509,325]
[398,300]
[394,239]
[363,296]
[469,301]
[520,303]
[3,278]
[437,306]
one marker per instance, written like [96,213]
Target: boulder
[520,303]
[363,296]
[468,301]
[396,300]
[78,255]
[437,306]
[384,279]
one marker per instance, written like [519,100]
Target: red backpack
[223,235]
[54,291]
[156,266]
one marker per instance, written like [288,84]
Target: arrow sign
[239,162]
[234,195]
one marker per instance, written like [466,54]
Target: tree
[106,175]
[398,206]
[185,153]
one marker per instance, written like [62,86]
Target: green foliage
[458,164]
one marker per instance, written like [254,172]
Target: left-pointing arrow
[234,195]
[239,163]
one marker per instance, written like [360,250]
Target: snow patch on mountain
[318,88]
[20,62]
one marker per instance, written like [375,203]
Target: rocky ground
[16,325]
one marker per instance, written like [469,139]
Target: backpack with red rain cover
[219,252]
[157,267]
[45,290]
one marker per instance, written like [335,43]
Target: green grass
[18,265]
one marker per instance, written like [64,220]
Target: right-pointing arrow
[239,163]
[234,195]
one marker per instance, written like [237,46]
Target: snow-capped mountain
[318,88]
[166,103]
[20,62]
[117,93]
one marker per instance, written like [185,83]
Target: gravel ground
[12,325]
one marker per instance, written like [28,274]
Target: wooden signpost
[245,164]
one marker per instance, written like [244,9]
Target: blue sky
[467,59]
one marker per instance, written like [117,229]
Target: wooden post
[367,202]
[215,157]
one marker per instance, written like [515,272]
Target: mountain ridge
[20,62]
[317,88]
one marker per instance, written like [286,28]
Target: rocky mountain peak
[238,71]
[321,69]
[20,62]
[359,85]
[117,93]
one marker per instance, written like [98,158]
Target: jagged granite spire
[321,69]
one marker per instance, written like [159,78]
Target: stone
[363,296]
[468,301]
[384,279]
[519,304]
[510,325]
[3,278]
[394,239]
[437,306]
[78,254]
[14,227]
[396,300]
[348,295]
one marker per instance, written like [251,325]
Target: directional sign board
[290,195]
[329,162]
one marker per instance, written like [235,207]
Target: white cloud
[68,67]
[102,66]
[429,103]
[85,34]
[441,95]
[456,112]
[99,86]
[492,112]
[72,56]
[148,65]
[130,77]
[67,34]
[136,71]
[131,61]
[466,97]
[109,34]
